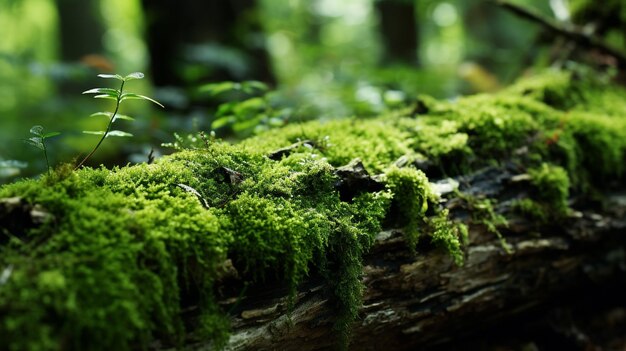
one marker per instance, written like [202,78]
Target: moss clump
[552,184]
[483,213]
[532,209]
[411,195]
[105,249]
[448,236]
[548,199]
[139,244]
[340,141]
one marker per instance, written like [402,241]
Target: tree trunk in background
[399,32]
[191,41]
[493,38]
[80,29]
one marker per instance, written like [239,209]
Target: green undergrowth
[125,251]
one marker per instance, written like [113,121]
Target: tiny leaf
[105,96]
[107,91]
[109,115]
[50,135]
[103,114]
[253,86]
[36,130]
[127,96]
[118,133]
[111,76]
[93,132]
[219,88]
[223,121]
[134,75]
[124,117]
[36,142]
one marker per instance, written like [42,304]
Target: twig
[569,31]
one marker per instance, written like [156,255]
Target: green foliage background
[326,56]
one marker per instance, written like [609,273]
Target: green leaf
[253,86]
[124,117]
[36,130]
[110,114]
[111,76]
[219,88]
[103,114]
[118,133]
[250,106]
[247,124]
[105,96]
[127,96]
[93,132]
[107,91]
[223,121]
[50,135]
[226,109]
[36,142]
[134,75]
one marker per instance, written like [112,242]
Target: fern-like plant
[39,141]
[119,96]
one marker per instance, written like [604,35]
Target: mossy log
[427,301]
[389,232]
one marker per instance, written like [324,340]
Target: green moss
[108,248]
[342,141]
[139,244]
[411,194]
[548,199]
[532,209]
[448,236]
[552,184]
[483,213]
[553,88]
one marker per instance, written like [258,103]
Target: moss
[483,213]
[548,199]
[341,141]
[411,194]
[552,184]
[553,88]
[139,244]
[448,235]
[109,248]
[532,209]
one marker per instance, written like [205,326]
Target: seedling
[119,96]
[39,141]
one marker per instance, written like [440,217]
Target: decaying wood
[413,302]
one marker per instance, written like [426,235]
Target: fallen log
[425,300]
[396,232]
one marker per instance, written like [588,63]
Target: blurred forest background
[242,66]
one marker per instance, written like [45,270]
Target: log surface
[417,301]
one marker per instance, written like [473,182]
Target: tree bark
[80,29]
[399,31]
[179,33]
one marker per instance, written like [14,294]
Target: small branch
[571,32]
